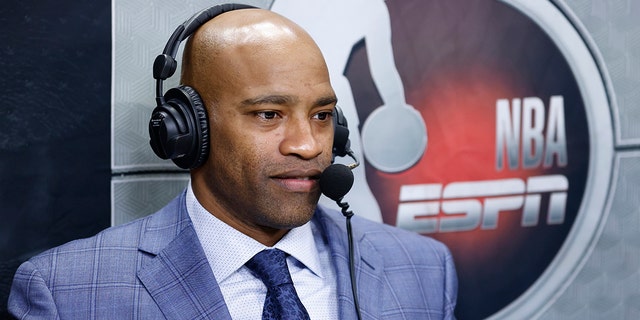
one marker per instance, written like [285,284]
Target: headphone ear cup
[201,146]
[179,128]
[341,143]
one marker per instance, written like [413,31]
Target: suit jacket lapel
[368,267]
[179,277]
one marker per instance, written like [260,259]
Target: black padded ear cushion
[202,125]
[341,143]
[197,117]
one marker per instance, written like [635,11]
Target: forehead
[276,59]
[276,76]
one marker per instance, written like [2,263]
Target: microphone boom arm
[353,156]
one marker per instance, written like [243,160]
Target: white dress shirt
[227,250]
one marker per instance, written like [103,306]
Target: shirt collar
[228,249]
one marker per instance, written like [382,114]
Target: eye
[267,115]
[323,115]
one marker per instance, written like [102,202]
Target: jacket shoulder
[113,245]
[389,240]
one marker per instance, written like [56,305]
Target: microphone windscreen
[336,181]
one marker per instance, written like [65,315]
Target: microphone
[336,181]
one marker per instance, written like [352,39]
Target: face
[271,135]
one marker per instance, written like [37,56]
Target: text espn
[468,205]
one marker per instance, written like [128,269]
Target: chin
[293,219]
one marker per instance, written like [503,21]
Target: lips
[298,180]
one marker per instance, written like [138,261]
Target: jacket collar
[179,277]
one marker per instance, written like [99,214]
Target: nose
[301,139]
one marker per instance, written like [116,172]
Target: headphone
[178,128]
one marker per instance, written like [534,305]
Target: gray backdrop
[605,286]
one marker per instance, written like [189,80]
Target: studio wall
[509,133]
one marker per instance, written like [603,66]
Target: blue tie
[282,301]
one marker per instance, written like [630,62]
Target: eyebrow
[268,99]
[277,99]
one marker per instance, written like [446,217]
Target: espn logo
[465,206]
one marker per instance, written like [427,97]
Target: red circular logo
[505,170]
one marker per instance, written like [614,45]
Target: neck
[267,236]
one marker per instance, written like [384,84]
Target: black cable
[352,269]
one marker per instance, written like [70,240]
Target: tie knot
[271,267]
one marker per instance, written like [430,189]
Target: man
[269,101]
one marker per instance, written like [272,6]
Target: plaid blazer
[155,268]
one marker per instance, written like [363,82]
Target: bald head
[239,39]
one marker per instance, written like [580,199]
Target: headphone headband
[165,64]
